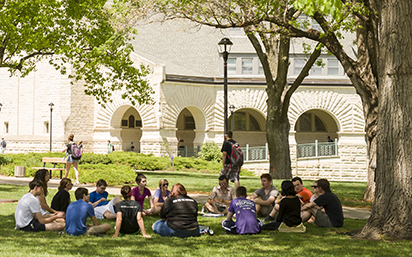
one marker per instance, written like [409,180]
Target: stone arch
[110,117]
[348,116]
[196,101]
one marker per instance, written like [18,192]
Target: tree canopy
[85,34]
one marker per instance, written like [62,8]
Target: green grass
[316,242]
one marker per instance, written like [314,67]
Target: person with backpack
[74,154]
[232,159]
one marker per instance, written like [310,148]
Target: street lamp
[1,105]
[225,42]
[50,125]
[232,109]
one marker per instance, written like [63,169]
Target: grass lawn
[316,242]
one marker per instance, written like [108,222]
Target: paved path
[348,212]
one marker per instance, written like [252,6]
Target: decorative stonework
[348,116]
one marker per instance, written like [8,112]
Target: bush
[210,152]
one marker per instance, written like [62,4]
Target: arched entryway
[249,127]
[127,122]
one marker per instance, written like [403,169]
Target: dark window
[131,121]
[124,123]
[189,122]
[138,123]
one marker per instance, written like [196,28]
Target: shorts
[231,172]
[34,226]
[267,211]
[322,219]
[71,159]
[100,210]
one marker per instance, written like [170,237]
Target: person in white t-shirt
[28,215]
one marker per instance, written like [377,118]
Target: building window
[309,122]
[247,66]
[189,123]
[138,123]
[244,121]
[46,127]
[131,121]
[260,68]
[6,127]
[124,123]
[231,66]
[333,67]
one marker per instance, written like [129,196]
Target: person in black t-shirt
[179,215]
[229,170]
[61,199]
[128,215]
[333,215]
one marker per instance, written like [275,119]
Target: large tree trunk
[391,210]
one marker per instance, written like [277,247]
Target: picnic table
[54,161]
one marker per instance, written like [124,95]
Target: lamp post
[232,109]
[225,42]
[50,125]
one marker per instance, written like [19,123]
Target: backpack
[112,148]
[76,151]
[3,144]
[236,157]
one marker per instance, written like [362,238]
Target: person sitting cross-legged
[333,215]
[102,207]
[77,214]
[221,196]
[265,197]
[128,215]
[245,210]
[28,214]
[303,193]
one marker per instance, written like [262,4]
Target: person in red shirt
[303,193]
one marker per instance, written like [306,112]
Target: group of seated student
[178,211]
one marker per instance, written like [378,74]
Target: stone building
[187,79]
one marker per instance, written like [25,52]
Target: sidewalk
[348,212]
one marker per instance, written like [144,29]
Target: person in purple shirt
[245,209]
[161,194]
[140,192]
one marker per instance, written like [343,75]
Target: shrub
[210,152]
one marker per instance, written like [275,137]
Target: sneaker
[269,218]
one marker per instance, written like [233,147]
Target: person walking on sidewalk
[228,170]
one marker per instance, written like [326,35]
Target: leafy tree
[271,43]
[87,35]
[210,152]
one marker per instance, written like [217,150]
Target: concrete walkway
[348,212]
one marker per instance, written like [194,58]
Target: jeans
[160,227]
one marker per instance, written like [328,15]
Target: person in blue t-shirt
[77,214]
[245,209]
[102,207]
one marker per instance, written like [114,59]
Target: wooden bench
[54,161]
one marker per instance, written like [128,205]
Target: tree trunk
[391,210]
[277,125]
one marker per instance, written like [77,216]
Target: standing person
[28,216]
[265,197]
[109,147]
[245,209]
[128,215]
[161,194]
[44,176]
[229,170]
[3,145]
[61,199]
[70,159]
[289,208]
[140,192]
[77,214]
[221,196]
[179,215]
[333,215]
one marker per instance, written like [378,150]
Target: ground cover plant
[317,241]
